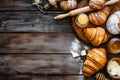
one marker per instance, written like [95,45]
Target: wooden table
[34,46]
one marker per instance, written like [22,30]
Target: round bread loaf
[113,23]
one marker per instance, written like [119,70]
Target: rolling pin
[83,10]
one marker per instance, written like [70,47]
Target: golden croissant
[96,36]
[95,60]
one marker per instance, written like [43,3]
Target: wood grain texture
[41,77]
[38,64]
[15,4]
[46,65]
[33,22]
[40,43]
[53,43]
[22,5]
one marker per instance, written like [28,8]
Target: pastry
[113,68]
[97,4]
[96,36]
[99,17]
[113,23]
[95,60]
[67,5]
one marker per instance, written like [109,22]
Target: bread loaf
[67,5]
[96,36]
[99,17]
[97,4]
[113,23]
[95,60]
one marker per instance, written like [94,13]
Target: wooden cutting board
[78,30]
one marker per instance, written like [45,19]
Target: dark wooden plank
[41,77]
[40,43]
[38,64]
[55,65]
[16,4]
[13,5]
[33,22]
[45,77]
[22,5]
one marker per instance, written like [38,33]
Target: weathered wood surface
[21,16]
[44,64]
[38,64]
[22,5]
[42,77]
[41,67]
[16,4]
[40,43]
[48,51]
[33,22]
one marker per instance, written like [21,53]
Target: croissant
[95,60]
[99,17]
[96,36]
[97,4]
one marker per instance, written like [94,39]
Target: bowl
[118,61]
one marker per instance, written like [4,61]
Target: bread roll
[113,23]
[97,4]
[99,17]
